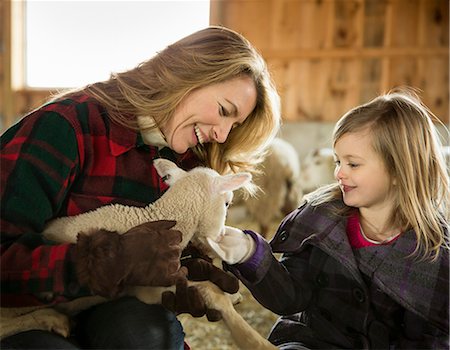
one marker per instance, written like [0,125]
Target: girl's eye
[337,162]
[353,165]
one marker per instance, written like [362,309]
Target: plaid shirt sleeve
[39,161]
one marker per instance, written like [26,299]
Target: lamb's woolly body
[197,202]
[121,218]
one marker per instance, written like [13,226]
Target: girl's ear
[168,170]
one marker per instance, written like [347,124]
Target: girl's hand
[233,246]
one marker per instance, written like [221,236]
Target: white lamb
[197,200]
[281,189]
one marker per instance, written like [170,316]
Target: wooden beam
[7,106]
[354,53]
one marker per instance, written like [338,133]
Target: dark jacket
[333,297]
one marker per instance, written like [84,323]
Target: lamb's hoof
[236,298]
[52,320]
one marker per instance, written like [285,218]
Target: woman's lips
[198,133]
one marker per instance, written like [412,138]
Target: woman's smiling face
[208,114]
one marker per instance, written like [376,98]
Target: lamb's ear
[232,182]
[168,170]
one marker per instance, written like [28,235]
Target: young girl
[366,260]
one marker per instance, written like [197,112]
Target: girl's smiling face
[361,173]
[208,114]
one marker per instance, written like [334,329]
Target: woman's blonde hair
[209,56]
[407,141]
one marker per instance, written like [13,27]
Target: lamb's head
[209,195]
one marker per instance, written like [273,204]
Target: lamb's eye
[166,177]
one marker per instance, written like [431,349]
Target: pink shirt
[356,238]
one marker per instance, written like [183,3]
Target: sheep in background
[317,169]
[281,190]
[197,200]
[446,153]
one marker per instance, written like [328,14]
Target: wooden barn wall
[326,55]
[330,55]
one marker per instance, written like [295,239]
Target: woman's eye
[222,111]
[353,165]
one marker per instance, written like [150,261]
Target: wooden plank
[347,14]
[406,16]
[251,18]
[371,76]
[7,106]
[301,24]
[374,23]
[434,83]
[387,43]
[435,28]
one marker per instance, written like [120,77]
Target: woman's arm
[40,158]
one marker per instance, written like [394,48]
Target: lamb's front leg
[148,295]
[244,336]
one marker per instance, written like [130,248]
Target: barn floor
[204,335]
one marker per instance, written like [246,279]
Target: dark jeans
[125,323]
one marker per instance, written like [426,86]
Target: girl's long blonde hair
[213,55]
[406,139]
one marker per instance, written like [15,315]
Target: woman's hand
[188,299]
[146,255]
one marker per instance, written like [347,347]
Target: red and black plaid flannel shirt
[63,159]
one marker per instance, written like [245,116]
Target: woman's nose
[221,132]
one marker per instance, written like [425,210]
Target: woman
[207,99]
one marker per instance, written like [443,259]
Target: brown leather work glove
[188,299]
[146,255]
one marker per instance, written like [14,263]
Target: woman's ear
[394,181]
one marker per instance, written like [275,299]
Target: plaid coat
[64,159]
[334,297]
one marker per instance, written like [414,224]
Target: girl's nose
[339,173]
